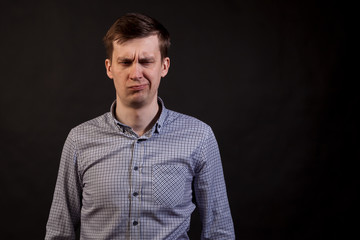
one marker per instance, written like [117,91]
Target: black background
[273,78]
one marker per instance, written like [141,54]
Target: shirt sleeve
[210,193]
[64,217]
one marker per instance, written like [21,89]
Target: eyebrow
[141,59]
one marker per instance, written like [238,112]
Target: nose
[135,71]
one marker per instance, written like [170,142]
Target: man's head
[137,48]
[136,25]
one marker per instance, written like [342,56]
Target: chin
[138,102]
[140,99]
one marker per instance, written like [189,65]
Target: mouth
[138,87]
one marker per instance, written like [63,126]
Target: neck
[140,119]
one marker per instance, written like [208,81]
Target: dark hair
[136,25]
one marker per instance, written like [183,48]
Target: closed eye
[126,63]
[146,61]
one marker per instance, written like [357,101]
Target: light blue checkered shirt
[116,185]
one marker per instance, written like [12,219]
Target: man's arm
[210,193]
[64,215]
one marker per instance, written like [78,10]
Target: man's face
[136,68]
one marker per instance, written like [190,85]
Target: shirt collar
[158,125]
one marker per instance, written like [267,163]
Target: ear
[165,66]
[108,68]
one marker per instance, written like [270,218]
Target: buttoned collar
[156,128]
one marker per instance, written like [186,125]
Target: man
[131,173]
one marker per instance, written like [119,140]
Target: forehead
[147,46]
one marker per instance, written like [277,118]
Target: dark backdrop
[273,79]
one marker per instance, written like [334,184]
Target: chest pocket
[168,182]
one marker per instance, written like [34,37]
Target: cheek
[153,74]
[148,74]
[119,82]
[119,75]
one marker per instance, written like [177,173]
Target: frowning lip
[138,87]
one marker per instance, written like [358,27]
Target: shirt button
[135,223]
[135,194]
[136,168]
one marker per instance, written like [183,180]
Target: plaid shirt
[116,185]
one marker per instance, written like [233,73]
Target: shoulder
[181,118]
[92,128]
[187,123]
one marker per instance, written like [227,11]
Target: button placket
[136,182]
